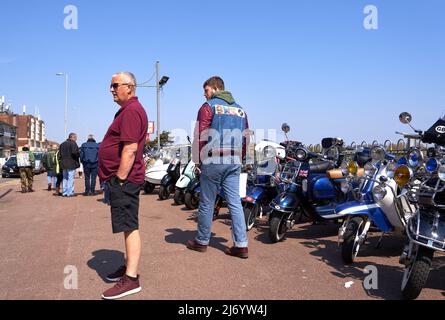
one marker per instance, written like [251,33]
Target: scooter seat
[321,167]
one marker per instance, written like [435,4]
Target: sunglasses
[117,85]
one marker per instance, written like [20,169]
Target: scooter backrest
[334,174]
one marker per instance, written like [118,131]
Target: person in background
[26,163]
[59,175]
[69,161]
[49,163]
[89,158]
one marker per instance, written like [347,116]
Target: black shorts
[124,202]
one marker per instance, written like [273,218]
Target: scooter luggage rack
[271,174]
[290,172]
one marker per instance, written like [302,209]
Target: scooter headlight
[377,153]
[414,158]
[441,172]
[301,154]
[403,161]
[370,169]
[353,167]
[432,165]
[379,193]
[402,175]
[391,170]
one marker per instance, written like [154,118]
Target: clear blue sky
[309,63]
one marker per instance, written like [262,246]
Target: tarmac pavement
[45,240]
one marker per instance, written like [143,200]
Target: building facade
[30,130]
[8,145]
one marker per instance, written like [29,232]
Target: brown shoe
[31,190]
[123,288]
[49,187]
[193,245]
[242,253]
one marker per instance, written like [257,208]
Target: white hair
[129,76]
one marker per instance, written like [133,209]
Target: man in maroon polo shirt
[122,168]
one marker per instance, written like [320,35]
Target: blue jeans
[213,177]
[90,172]
[52,178]
[68,182]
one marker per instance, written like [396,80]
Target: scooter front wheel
[191,200]
[277,226]
[351,246]
[179,197]
[148,187]
[164,192]
[416,273]
[250,214]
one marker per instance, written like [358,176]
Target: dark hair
[72,135]
[215,82]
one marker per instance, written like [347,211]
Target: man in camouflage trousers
[26,163]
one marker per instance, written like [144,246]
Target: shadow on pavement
[178,236]
[105,262]
[389,277]
[5,194]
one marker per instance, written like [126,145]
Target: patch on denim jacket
[229,111]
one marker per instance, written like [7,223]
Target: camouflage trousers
[27,178]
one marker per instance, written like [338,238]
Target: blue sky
[311,64]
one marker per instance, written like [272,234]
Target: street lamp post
[66,99]
[159,84]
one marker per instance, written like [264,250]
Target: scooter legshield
[183,182]
[254,194]
[362,208]
[193,186]
[286,202]
[167,180]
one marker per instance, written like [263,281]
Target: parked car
[10,168]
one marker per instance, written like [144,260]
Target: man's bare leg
[133,252]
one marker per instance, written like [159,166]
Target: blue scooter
[263,186]
[312,190]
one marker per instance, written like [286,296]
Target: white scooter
[155,170]
[187,176]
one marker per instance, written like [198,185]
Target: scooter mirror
[405,118]
[285,128]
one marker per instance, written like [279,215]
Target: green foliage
[164,140]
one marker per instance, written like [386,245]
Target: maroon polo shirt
[130,125]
